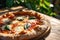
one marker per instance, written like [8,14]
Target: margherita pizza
[21,26]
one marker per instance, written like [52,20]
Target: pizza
[21,26]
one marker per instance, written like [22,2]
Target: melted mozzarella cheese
[34,21]
[5,20]
[2,27]
[10,27]
[19,18]
[18,29]
[29,24]
[15,21]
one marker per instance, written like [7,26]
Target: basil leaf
[32,18]
[27,26]
[20,18]
[7,27]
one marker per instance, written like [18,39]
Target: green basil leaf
[32,18]
[26,26]
[7,27]
[20,18]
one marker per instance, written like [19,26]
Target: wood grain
[55,29]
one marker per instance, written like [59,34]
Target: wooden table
[55,23]
[55,29]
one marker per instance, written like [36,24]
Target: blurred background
[48,7]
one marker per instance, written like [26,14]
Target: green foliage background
[42,6]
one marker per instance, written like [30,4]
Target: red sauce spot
[4,16]
[39,22]
[5,31]
[1,18]
[32,26]
[10,15]
[23,32]
[12,31]
[1,23]
[14,25]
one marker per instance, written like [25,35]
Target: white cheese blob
[19,18]
[15,21]
[10,27]
[3,27]
[29,24]
[18,29]
[34,21]
[5,20]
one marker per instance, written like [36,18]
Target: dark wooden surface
[55,24]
